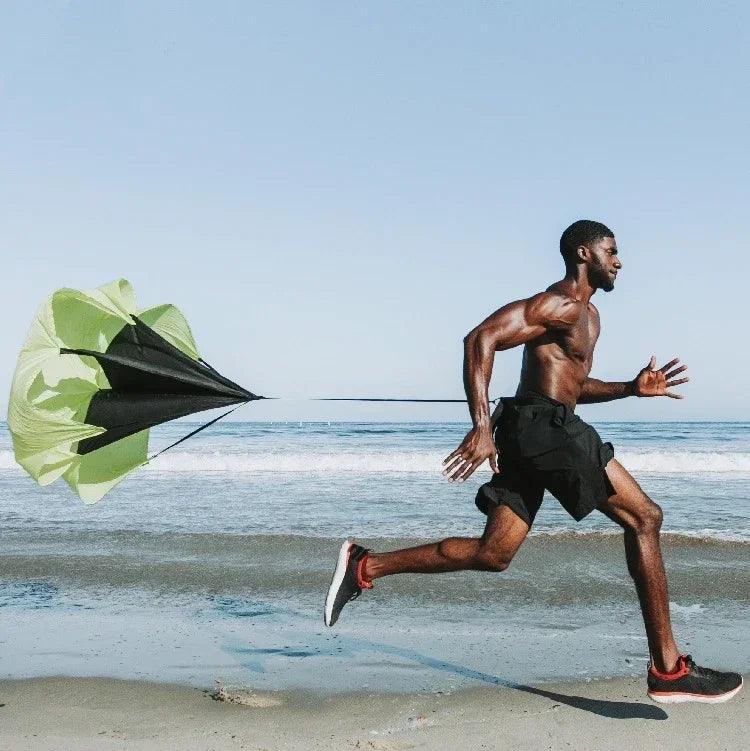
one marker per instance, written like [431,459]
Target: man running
[542,444]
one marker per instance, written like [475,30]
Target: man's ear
[583,253]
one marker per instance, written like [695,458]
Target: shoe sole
[338,577]
[678,697]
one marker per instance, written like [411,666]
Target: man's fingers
[462,467]
[459,454]
[674,372]
[652,363]
[457,468]
[468,470]
[677,382]
[671,363]
[672,395]
[454,473]
[456,456]
[451,468]
[452,455]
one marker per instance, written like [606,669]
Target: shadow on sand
[345,646]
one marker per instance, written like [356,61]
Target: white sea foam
[371,462]
[428,462]
[681,462]
[425,462]
[693,609]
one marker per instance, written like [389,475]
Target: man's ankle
[364,578]
[668,665]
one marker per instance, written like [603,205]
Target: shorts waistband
[534,397]
[563,413]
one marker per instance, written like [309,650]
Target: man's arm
[594,390]
[649,382]
[514,324]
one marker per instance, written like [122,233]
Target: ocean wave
[556,571]
[681,462]
[424,462]
[30,533]
[688,610]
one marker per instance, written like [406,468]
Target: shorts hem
[486,505]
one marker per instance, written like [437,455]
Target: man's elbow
[472,337]
[478,339]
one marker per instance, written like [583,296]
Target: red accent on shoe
[362,583]
[678,672]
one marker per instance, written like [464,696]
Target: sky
[336,193]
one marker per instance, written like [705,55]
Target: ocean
[212,563]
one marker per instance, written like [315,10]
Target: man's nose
[618,263]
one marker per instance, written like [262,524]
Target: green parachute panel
[61,380]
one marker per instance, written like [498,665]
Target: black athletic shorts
[542,444]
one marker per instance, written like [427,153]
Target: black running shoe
[689,682]
[347,583]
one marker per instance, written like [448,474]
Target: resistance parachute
[94,375]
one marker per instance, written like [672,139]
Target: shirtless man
[542,444]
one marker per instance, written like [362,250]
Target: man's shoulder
[553,305]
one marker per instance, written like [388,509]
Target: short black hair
[582,232]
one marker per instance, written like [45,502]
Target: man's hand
[653,382]
[474,449]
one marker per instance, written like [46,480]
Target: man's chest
[580,339]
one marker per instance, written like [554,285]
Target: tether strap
[329,399]
[194,432]
[379,399]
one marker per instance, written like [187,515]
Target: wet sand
[97,713]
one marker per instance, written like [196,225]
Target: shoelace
[698,671]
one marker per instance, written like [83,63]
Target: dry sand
[92,713]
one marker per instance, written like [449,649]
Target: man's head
[593,244]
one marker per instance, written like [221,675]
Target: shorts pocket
[540,435]
[606,453]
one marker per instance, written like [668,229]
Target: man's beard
[600,279]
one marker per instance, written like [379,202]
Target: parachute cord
[329,399]
[194,432]
[383,399]
[210,367]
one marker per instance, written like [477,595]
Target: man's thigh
[505,531]
[629,505]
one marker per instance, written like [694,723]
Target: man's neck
[577,286]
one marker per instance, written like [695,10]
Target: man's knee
[648,519]
[492,559]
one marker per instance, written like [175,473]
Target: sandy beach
[92,714]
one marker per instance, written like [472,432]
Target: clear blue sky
[335,193]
